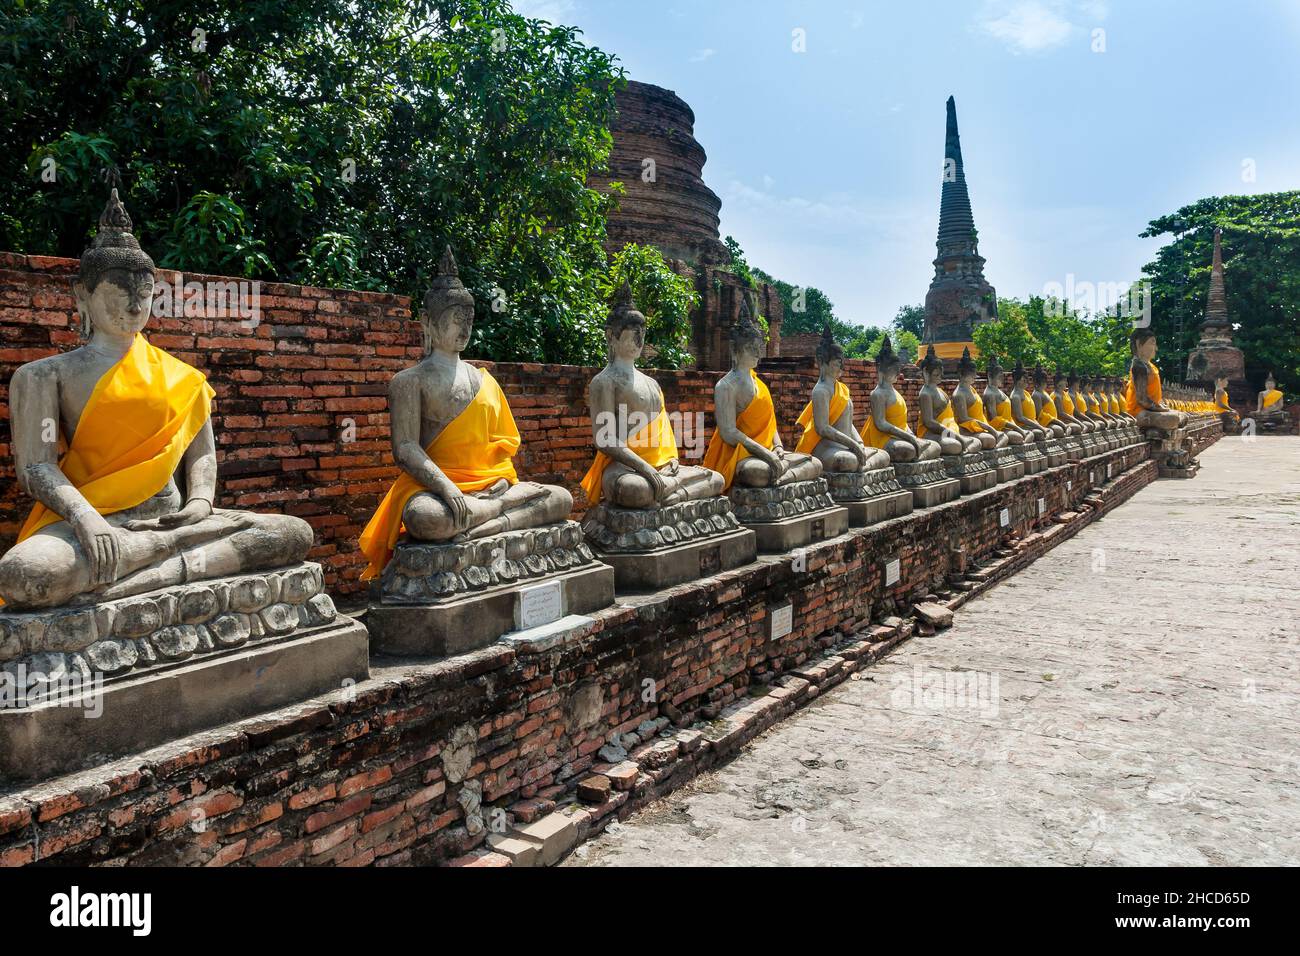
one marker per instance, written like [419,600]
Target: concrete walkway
[1131,698]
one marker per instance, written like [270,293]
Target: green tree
[665,298]
[910,318]
[1261,263]
[322,140]
[806,309]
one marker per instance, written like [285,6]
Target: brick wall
[314,373]
[376,775]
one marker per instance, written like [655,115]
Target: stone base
[1007,465]
[469,621]
[927,481]
[779,537]
[1031,455]
[974,471]
[1053,449]
[880,508]
[666,567]
[1073,446]
[1170,453]
[753,506]
[126,715]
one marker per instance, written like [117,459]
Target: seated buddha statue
[1268,406]
[1065,408]
[886,426]
[827,419]
[128,506]
[454,439]
[1083,409]
[1222,403]
[1115,394]
[1143,398]
[997,405]
[636,463]
[1023,411]
[1098,403]
[746,446]
[1046,408]
[936,415]
[968,407]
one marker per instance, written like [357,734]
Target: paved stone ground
[1146,710]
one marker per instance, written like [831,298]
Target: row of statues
[114,441]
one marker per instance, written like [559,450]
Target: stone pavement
[1130,698]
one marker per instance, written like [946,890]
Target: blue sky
[828,161]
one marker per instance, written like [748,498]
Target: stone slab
[665,567]
[862,514]
[140,711]
[469,622]
[778,537]
[936,493]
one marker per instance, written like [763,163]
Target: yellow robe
[1154,391]
[1223,403]
[1271,398]
[1094,405]
[757,421]
[1067,402]
[474,451]
[654,443]
[1048,414]
[977,414]
[945,418]
[139,420]
[809,439]
[1003,418]
[895,414]
[1115,407]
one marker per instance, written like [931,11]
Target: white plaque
[892,572]
[781,620]
[1109,470]
[1069,486]
[540,604]
[1004,517]
[1042,507]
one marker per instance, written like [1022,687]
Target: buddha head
[448,319]
[1040,378]
[1073,381]
[966,369]
[1220,381]
[1060,380]
[993,369]
[1018,375]
[625,327]
[1142,343]
[888,363]
[1270,383]
[114,286]
[748,343]
[931,367]
[830,356]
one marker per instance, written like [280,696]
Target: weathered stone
[176,642]
[936,615]
[112,656]
[594,789]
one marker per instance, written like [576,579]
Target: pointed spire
[1216,303]
[447,264]
[931,361]
[956,222]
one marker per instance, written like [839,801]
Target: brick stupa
[960,298]
[1216,355]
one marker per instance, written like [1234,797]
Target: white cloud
[699,56]
[552,11]
[1029,26]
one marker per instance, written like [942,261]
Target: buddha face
[120,303]
[450,329]
[627,342]
[933,376]
[968,378]
[889,372]
[1146,350]
[1270,383]
[747,352]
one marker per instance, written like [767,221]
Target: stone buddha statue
[1083,409]
[997,404]
[1268,405]
[1144,398]
[918,462]
[656,521]
[1065,407]
[636,464]
[968,408]
[937,420]
[746,446]
[827,419]
[128,506]
[1045,408]
[1223,404]
[454,439]
[1023,411]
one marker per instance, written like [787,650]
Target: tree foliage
[1261,266]
[663,297]
[322,141]
[1044,331]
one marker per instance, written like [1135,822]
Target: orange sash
[1154,391]
[653,442]
[473,451]
[757,421]
[809,439]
